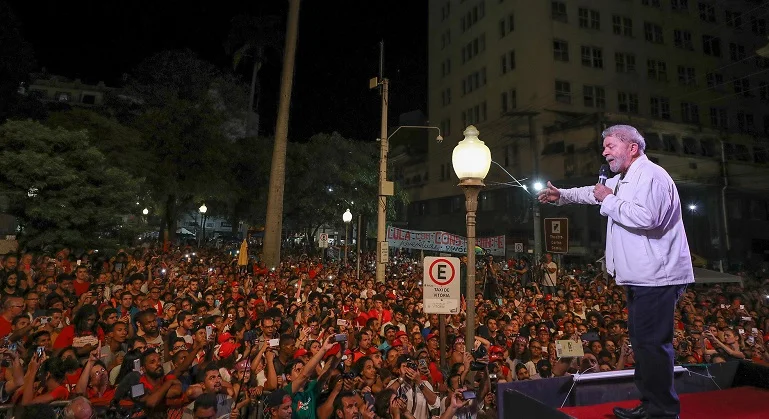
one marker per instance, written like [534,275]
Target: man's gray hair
[78,408]
[626,134]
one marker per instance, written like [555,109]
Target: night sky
[337,51]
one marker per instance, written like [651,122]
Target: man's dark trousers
[650,325]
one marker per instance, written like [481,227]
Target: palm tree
[253,38]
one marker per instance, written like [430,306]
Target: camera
[349,375]
[412,364]
[479,353]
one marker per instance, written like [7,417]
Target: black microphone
[603,174]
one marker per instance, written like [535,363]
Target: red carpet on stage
[739,402]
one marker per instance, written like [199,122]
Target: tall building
[542,79]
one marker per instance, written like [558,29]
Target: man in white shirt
[647,252]
[420,397]
[549,275]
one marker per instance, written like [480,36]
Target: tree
[62,189]
[254,37]
[273,229]
[120,144]
[330,173]
[185,114]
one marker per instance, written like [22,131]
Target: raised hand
[550,194]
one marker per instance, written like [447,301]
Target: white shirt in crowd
[549,279]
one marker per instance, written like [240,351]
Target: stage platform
[733,403]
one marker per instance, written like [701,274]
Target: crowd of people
[190,334]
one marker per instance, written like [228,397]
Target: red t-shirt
[60,393]
[67,335]
[5,327]
[105,398]
[81,288]
[386,315]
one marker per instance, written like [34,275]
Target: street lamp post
[471,159]
[203,208]
[386,187]
[346,217]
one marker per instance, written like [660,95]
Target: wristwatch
[421,386]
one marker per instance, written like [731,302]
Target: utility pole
[534,141]
[273,228]
[534,145]
[385,187]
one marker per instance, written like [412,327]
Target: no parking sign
[441,292]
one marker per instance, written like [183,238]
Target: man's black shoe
[638,412]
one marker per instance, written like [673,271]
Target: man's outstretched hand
[549,195]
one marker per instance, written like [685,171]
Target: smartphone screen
[468,395]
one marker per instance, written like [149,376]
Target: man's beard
[157,374]
[616,163]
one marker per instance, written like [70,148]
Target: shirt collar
[633,168]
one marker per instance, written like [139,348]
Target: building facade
[52,88]
[542,79]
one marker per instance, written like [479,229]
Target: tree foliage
[62,189]
[188,114]
[329,174]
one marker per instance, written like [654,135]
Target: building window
[679,5]
[711,45]
[714,80]
[737,52]
[594,96]
[589,19]
[560,50]
[758,26]
[745,122]
[707,12]
[63,97]
[733,19]
[653,33]
[445,39]
[563,91]
[686,76]
[592,57]
[628,102]
[622,25]
[657,70]
[89,99]
[473,16]
[760,155]
[660,107]
[446,126]
[652,3]
[558,11]
[446,97]
[506,25]
[719,118]
[508,101]
[763,91]
[690,112]
[445,11]
[741,87]
[625,62]
[446,67]
[683,39]
[507,62]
